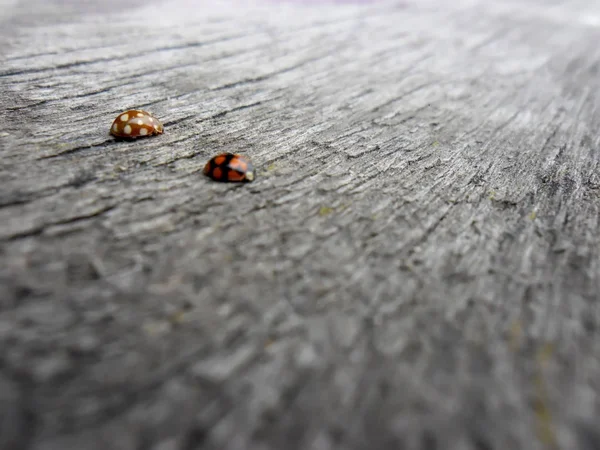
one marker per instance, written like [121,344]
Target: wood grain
[416,265]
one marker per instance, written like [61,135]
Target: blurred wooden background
[416,265]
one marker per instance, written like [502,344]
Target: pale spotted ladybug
[135,123]
[229,167]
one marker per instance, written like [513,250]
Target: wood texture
[416,265]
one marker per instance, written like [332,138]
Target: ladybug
[135,123]
[229,167]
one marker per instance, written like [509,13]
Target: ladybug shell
[229,167]
[135,123]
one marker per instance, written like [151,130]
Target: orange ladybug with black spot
[229,167]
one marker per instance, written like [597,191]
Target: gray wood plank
[416,265]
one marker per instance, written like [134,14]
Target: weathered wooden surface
[416,265]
